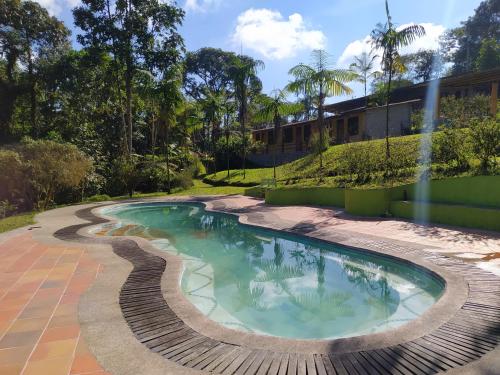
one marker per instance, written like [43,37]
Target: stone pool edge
[453,298]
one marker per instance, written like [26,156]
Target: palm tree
[363,66]
[388,38]
[171,99]
[274,108]
[319,81]
[243,73]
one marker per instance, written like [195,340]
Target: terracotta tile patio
[40,287]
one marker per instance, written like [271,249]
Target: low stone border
[461,327]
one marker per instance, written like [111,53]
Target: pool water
[273,283]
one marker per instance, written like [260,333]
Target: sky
[282,33]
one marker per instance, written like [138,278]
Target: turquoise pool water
[273,283]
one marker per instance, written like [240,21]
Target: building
[354,120]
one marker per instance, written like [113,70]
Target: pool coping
[454,296]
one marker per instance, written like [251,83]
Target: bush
[450,146]
[52,168]
[485,140]
[98,198]
[15,190]
[358,161]
[460,112]
[316,145]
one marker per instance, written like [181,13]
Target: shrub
[358,162]
[485,140]
[450,146]
[125,175]
[459,112]
[316,145]
[53,167]
[98,198]
[15,190]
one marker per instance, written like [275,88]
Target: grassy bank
[307,171]
[17,221]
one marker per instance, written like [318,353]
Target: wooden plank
[247,354]
[292,364]
[375,366]
[258,362]
[275,365]
[214,351]
[402,361]
[410,355]
[379,357]
[348,364]
[367,366]
[284,364]
[301,365]
[337,365]
[236,355]
[311,366]
[320,366]
[266,364]
[356,364]
[223,357]
[244,365]
[330,370]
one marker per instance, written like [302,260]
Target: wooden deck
[471,333]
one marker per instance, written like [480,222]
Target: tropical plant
[243,73]
[320,81]
[273,109]
[363,65]
[391,39]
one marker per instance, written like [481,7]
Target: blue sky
[282,33]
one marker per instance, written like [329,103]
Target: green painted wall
[318,196]
[371,202]
[465,216]
[469,201]
[482,191]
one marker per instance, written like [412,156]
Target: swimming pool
[274,283]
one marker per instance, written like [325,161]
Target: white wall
[399,119]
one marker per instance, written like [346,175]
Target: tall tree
[320,81]
[462,44]
[171,100]
[363,65]
[391,39]
[274,108]
[28,35]
[243,72]
[421,65]
[138,34]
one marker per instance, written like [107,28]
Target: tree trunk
[34,127]
[128,104]
[243,128]
[321,126]
[387,150]
[276,130]
[227,152]
[167,154]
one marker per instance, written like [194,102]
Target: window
[307,133]
[288,135]
[353,126]
[270,137]
[257,137]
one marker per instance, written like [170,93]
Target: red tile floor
[40,287]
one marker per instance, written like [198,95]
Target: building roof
[403,95]
[418,91]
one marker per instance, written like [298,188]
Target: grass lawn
[17,221]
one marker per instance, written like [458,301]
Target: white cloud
[429,41]
[55,7]
[201,5]
[270,34]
